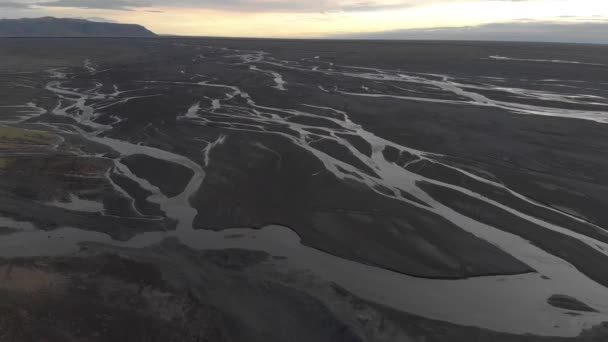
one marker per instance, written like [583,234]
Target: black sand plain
[441,161]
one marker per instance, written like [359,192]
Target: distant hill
[518,31]
[56,27]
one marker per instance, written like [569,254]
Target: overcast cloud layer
[234,5]
[522,20]
[242,5]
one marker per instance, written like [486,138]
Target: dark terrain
[64,27]
[267,190]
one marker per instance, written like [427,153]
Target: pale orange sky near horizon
[279,18]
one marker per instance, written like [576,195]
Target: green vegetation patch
[5,162]
[25,136]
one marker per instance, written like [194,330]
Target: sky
[387,19]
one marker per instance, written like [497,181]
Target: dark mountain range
[56,27]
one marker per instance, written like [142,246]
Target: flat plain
[174,189]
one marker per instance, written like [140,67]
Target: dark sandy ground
[171,293]
[375,152]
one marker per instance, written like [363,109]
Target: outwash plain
[173,189]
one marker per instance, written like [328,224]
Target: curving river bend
[522,299]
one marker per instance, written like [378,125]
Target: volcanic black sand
[265,190]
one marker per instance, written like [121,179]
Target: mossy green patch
[26,136]
[5,162]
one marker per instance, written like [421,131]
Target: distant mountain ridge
[58,27]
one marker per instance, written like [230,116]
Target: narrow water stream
[514,304]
